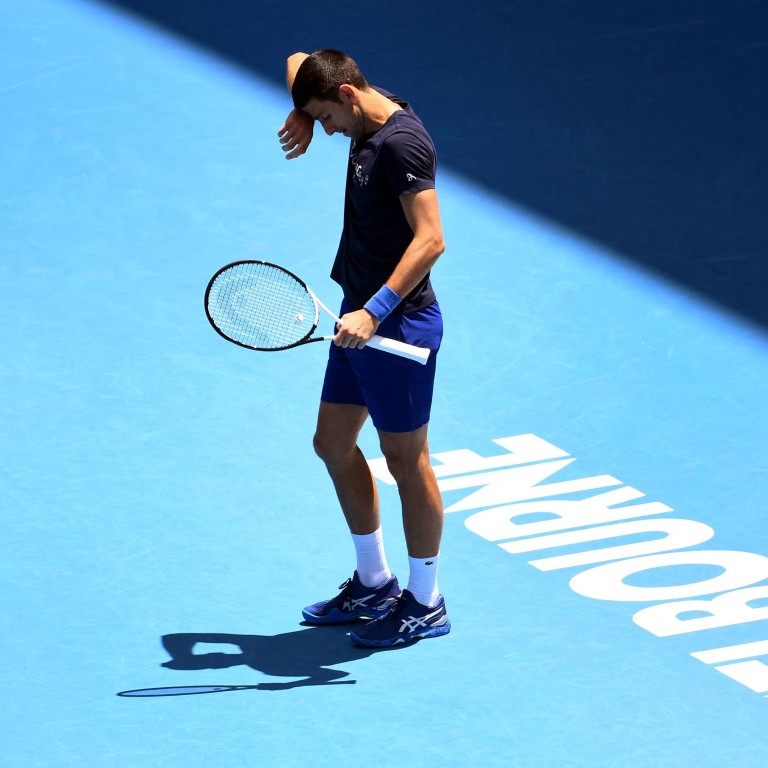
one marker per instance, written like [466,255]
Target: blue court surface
[599,429]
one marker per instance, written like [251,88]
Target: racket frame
[402,349]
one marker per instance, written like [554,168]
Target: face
[337,117]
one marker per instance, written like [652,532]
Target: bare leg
[338,427]
[407,455]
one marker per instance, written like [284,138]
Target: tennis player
[391,238]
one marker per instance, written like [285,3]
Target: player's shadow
[308,654]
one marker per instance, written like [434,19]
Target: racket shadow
[308,654]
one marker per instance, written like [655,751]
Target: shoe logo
[353,603]
[415,622]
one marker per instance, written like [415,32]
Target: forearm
[292,67]
[414,266]
[420,256]
[296,132]
[423,215]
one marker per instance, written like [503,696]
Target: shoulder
[409,156]
[405,129]
[405,136]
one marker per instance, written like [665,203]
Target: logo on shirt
[410,177]
[359,177]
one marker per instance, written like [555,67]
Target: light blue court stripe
[159,482]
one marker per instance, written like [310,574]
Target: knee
[406,461]
[401,466]
[323,447]
[331,449]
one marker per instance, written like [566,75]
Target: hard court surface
[598,432]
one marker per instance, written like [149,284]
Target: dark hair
[321,75]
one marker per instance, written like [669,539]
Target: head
[321,76]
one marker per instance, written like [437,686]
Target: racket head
[260,305]
[182,690]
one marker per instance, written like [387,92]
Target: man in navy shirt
[391,238]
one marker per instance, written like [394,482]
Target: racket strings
[262,306]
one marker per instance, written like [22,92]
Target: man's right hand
[296,133]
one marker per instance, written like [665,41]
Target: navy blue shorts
[396,391]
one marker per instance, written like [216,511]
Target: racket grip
[419,354]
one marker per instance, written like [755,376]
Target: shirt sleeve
[409,162]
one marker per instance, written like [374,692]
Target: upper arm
[423,215]
[411,166]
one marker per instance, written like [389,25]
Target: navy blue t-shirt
[397,158]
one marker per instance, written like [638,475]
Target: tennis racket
[194,690]
[263,306]
[184,690]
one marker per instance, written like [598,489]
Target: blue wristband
[381,304]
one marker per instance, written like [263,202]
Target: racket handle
[419,354]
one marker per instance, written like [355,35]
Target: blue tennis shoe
[407,620]
[355,601]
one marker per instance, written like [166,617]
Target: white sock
[372,568]
[422,582]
